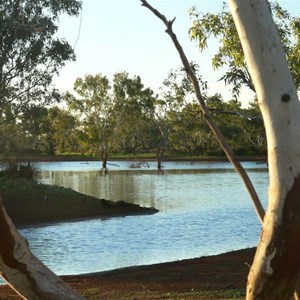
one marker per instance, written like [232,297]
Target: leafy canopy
[30,52]
[105,110]
[230,54]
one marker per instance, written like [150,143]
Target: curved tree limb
[27,275]
[225,146]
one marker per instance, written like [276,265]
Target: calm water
[204,209]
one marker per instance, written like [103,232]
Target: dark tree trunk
[159,157]
[104,158]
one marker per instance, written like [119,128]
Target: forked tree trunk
[28,276]
[275,268]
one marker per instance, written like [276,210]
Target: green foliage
[30,55]
[121,116]
[110,114]
[93,107]
[11,137]
[190,132]
[59,134]
[104,118]
[15,170]
[243,128]
[220,26]
[30,52]
[50,130]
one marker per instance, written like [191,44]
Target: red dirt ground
[175,280]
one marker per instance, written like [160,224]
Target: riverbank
[222,276]
[140,157]
[30,203]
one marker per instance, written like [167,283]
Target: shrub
[17,170]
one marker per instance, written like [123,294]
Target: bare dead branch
[225,146]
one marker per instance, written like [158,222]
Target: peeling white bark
[275,89]
[278,101]
[27,275]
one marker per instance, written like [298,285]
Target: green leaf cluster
[30,52]
[229,55]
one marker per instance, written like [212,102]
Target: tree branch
[225,146]
[27,275]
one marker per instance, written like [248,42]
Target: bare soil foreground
[214,277]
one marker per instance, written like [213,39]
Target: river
[204,209]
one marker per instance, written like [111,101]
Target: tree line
[101,117]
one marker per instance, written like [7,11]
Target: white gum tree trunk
[276,264]
[28,276]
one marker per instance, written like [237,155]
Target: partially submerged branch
[225,146]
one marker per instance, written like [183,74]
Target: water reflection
[204,209]
[182,189]
[99,245]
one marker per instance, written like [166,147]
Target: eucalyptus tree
[132,103]
[226,116]
[275,270]
[30,55]
[30,51]
[13,139]
[59,132]
[93,107]
[190,133]
[50,130]
[104,110]
[220,26]
[33,123]
[161,126]
[242,127]
[174,94]
[27,275]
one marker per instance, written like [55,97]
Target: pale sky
[121,35]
